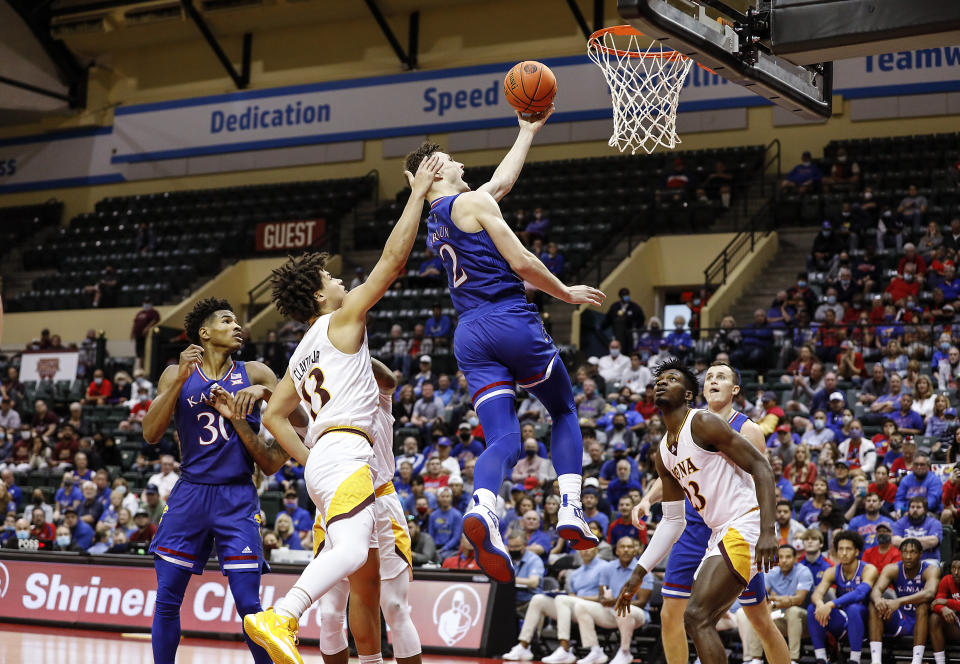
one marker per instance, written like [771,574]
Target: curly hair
[676,364]
[294,284]
[412,161]
[201,313]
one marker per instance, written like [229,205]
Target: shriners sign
[448,615]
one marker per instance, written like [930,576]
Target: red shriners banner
[277,235]
[447,615]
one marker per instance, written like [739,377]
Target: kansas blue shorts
[501,344]
[901,623]
[198,516]
[685,557]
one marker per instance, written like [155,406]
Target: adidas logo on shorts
[246,549]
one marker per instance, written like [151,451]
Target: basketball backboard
[783,49]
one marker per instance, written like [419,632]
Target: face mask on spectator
[290,504]
[884,538]
[818,424]
[945,345]
[856,433]
[25,433]
[422,509]
[516,555]
[831,299]
[464,435]
[10,527]
[621,407]
[614,352]
[98,381]
[801,284]
[25,534]
[473,421]
[847,419]
[63,540]
[626,298]
[531,453]
[908,277]
[142,398]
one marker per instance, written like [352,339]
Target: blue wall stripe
[62,183]
[63,135]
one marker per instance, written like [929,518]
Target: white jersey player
[731,486]
[330,372]
[396,558]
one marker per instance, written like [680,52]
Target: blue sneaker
[572,527]
[482,528]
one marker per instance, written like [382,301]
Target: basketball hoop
[645,85]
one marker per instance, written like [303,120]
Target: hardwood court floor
[27,644]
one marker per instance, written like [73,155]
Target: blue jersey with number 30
[211,452]
[476,272]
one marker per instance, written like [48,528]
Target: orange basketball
[530,87]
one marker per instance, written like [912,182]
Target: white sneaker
[571,526]
[518,654]
[595,656]
[482,528]
[560,656]
[622,657]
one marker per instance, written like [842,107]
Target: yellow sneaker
[275,634]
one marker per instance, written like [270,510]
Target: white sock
[940,657]
[570,487]
[855,656]
[486,498]
[294,603]
[876,651]
[371,659]
[820,653]
[918,654]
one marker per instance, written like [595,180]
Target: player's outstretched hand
[626,596]
[248,398]
[189,359]
[767,546]
[426,174]
[535,121]
[584,295]
[223,402]
[639,511]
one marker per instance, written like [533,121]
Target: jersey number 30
[218,430]
[446,251]
[318,390]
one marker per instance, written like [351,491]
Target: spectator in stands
[145,528]
[9,418]
[678,177]
[44,421]
[866,523]
[623,525]
[274,355]
[874,387]
[431,267]
[531,464]
[40,527]
[152,503]
[403,406]
[858,452]
[145,319]
[913,207]
[438,327]
[427,411]
[920,482]
[789,531]
[781,445]
[422,547]
[804,177]
[801,472]
[590,404]
[844,174]
[622,484]
[826,246]
[80,531]
[830,304]
[948,370]
[553,259]
[841,486]
[921,525]
[944,621]
[850,365]
[884,553]
[828,337]
[538,227]
[68,496]
[719,184]
[727,338]
[909,421]
[813,558]
[425,375]
[166,478]
[463,558]
[101,540]
[903,286]
[757,341]
[679,341]
[937,421]
[99,390]
[529,569]
[901,454]
[950,497]
[65,542]
[104,292]
[614,366]
[89,509]
[810,511]
[602,613]
[624,318]
[286,533]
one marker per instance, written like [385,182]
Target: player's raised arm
[664,537]
[527,266]
[157,419]
[709,429]
[263,383]
[395,254]
[276,418]
[503,179]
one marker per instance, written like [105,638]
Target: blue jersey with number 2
[211,452]
[476,272]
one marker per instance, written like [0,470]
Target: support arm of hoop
[409,57]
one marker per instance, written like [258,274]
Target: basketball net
[645,85]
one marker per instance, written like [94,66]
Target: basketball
[530,87]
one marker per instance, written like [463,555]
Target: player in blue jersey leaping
[214,403]
[500,340]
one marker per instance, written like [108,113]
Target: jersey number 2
[318,390]
[215,431]
[447,250]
